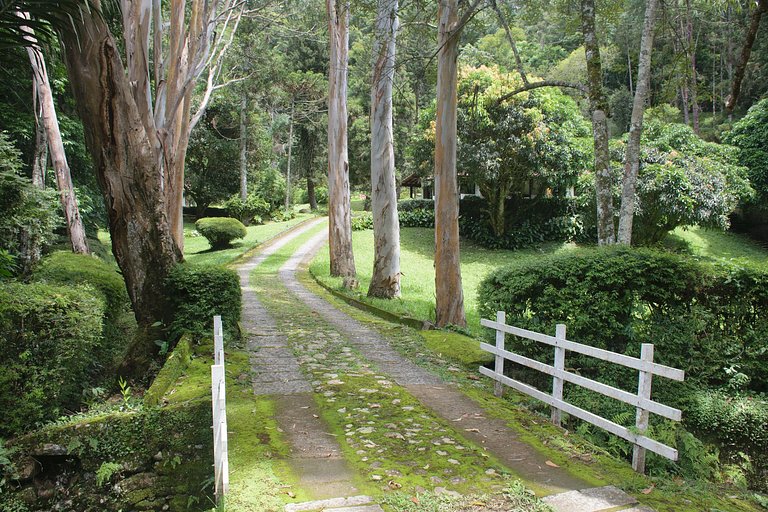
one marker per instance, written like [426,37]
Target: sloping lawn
[418,280]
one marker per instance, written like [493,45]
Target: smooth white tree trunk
[339,207]
[385,281]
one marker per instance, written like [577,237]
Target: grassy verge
[197,249]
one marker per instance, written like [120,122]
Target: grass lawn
[197,249]
[417,256]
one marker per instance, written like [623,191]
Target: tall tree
[761,7]
[632,158]
[385,281]
[339,207]
[598,106]
[50,122]
[243,145]
[449,297]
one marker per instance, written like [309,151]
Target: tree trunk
[449,296]
[339,208]
[75,229]
[311,196]
[632,157]
[244,146]
[40,158]
[126,167]
[746,50]
[598,106]
[385,281]
[694,94]
[290,152]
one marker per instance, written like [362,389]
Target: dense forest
[600,163]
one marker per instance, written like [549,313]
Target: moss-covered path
[358,417]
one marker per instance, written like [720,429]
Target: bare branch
[544,83]
[518,61]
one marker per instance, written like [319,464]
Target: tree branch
[518,62]
[544,83]
[746,50]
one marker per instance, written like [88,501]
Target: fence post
[557,382]
[218,341]
[217,376]
[498,387]
[641,421]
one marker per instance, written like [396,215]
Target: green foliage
[417,218]
[282,215]
[67,268]
[682,181]
[198,292]
[362,221]
[220,231]
[28,215]
[48,337]
[106,471]
[750,134]
[7,264]
[247,211]
[270,185]
[212,170]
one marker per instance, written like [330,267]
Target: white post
[498,387]
[557,382]
[217,377]
[218,341]
[641,421]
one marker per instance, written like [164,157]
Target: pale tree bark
[694,85]
[449,296]
[339,208]
[385,281]
[40,158]
[75,229]
[598,106]
[244,146]
[760,8]
[126,164]
[632,157]
[290,153]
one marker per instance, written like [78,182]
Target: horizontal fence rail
[641,401]
[219,405]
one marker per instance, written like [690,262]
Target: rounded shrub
[64,267]
[220,231]
[48,337]
[198,292]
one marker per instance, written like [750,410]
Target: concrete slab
[334,503]
[595,499]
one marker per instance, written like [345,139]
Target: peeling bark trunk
[598,106]
[244,147]
[40,158]
[449,296]
[632,157]
[311,196]
[75,229]
[126,167]
[385,281]
[339,208]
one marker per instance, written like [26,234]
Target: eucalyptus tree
[138,117]
[342,260]
[385,281]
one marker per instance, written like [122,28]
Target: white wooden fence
[218,389]
[642,400]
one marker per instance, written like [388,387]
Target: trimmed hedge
[65,267]
[198,292]
[48,337]
[362,221]
[220,231]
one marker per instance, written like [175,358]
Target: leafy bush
[254,206]
[682,181]
[220,231]
[362,221]
[63,267]
[282,215]
[28,215]
[7,264]
[198,292]
[749,135]
[321,195]
[410,205]
[48,337]
[417,218]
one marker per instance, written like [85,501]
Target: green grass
[719,245]
[418,280]
[197,249]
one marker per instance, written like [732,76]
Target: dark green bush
[198,292]
[220,231]
[48,337]
[417,218]
[362,221]
[253,206]
[749,135]
[64,267]
[410,205]
[282,215]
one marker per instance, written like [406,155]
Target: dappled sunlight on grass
[719,245]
